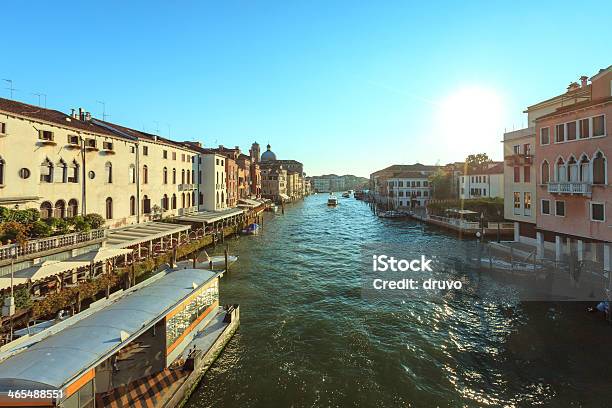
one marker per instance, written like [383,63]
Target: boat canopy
[52,359]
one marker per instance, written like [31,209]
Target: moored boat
[252,229]
[393,214]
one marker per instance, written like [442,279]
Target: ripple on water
[308,339]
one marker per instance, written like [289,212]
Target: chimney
[81,114]
[572,86]
[73,114]
[87,116]
[583,81]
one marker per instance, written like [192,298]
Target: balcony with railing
[520,159]
[185,187]
[43,245]
[569,187]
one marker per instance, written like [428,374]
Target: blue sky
[343,86]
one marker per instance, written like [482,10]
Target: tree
[441,184]
[94,220]
[477,161]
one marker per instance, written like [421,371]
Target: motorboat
[346,195]
[204,261]
[273,208]
[332,200]
[251,229]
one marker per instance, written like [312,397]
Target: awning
[210,216]
[462,212]
[42,271]
[5,283]
[284,196]
[102,254]
[140,233]
[249,203]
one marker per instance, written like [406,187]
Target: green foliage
[40,229]
[23,216]
[441,184]
[477,161]
[94,220]
[22,298]
[21,225]
[492,208]
[79,224]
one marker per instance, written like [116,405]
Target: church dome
[268,155]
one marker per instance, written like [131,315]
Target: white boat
[332,200]
[346,195]
[272,208]
[392,214]
[204,261]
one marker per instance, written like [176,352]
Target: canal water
[309,339]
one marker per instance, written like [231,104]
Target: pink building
[574,208]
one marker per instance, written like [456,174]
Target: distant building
[379,180]
[281,180]
[409,189]
[487,182]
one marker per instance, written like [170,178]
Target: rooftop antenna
[156,127]
[10,87]
[104,115]
[39,95]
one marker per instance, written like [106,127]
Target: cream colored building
[519,183]
[274,183]
[483,183]
[67,165]
[213,185]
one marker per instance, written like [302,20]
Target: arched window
[572,170]
[222,198]
[183,200]
[585,174]
[145,174]
[217,202]
[132,173]
[60,209]
[174,201]
[165,202]
[173,176]
[599,169]
[73,172]
[46,171]
[201,199]
[2,164]
[188,177]
[109,208]
[108,167]
[146,205]
[560,170]
[46,210]
[62,171]
[132,205]
[193,198]
[545,172]
[165,175]
[73,208]
[188,200]
[183,176]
